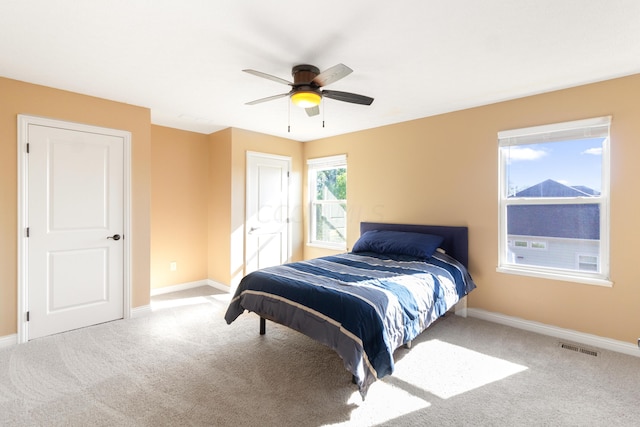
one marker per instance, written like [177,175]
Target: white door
[267,207]
[75,206]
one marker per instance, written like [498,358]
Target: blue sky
[569,162]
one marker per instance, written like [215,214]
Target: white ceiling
[417,58]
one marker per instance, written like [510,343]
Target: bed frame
[456,242]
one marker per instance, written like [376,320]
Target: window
[554,201]
[328,201]
[539,245]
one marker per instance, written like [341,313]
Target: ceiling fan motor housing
[303,76]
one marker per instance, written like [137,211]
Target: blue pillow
[398,242]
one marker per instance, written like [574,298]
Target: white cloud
[595,151]
[518,153]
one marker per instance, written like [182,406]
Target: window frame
[313,166]
[557,132]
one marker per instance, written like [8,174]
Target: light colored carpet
[183,365]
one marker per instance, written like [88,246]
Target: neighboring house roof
[587,190]
[551,188]
[577,221]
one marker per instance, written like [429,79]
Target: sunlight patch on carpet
[447,370]
[384,402]
[225,297]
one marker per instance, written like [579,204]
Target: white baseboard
[8,340]
[189,285]
[219,286]
[141,311]
[554,331]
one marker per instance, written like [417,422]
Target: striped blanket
[363,305]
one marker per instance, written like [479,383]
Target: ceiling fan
[306,87]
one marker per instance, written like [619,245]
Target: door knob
[114,237]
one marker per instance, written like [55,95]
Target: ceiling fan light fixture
[306,99]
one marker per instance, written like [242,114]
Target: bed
[396,281]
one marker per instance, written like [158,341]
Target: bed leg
[461,307]
[263,326]
[408,345]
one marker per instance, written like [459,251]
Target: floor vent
[578,349]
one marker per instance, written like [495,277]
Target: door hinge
[27,316]
[27,148]
[287,172]
[27,231]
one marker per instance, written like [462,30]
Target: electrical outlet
[173,266]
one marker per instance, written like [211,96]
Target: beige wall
[219,207]
[436,170]
[225,198]
[23,98]
[179,219]
[198,206]
[443,170]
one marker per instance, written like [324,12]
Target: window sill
[328,246]
[565,277]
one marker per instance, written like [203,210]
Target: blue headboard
[456,240]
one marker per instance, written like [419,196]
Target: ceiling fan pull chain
[323,110]
[289,117]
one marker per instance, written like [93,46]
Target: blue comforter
[363,305]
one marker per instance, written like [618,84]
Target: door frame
[246,192]
[23,210]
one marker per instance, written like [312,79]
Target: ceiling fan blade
[312,111]
[268,77]
[268,98]
[354,98]
[332,74]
